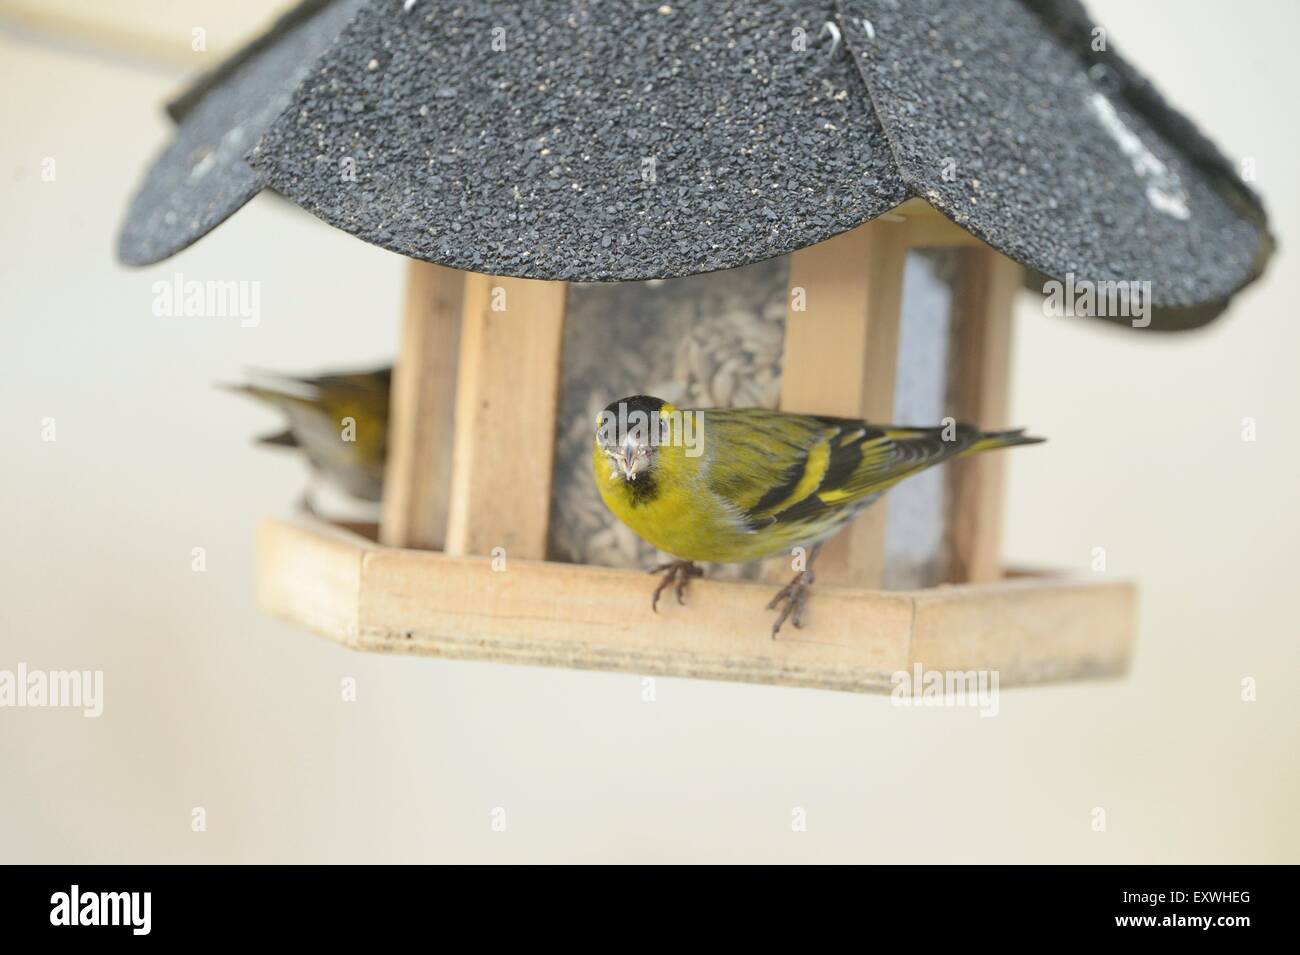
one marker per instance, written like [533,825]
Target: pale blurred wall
[210,704]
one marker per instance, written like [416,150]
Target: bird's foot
[795,597]
[675,571]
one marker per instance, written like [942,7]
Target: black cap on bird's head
[629,432]
[646,404]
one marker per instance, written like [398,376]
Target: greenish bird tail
[992,440]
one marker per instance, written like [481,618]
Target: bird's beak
[625,465]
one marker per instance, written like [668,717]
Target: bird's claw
[679,571]
[795,596]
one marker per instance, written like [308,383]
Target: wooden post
[841,354]
[417,476]
[983,300]
[506,400]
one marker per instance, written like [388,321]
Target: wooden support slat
[1027,630]
[983,300]
[937,232]
[927,227]
[506,401]
[417,477]
[841,355]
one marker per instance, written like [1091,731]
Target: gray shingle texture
[595,141]
[600,141]
[1006,131]
[202,177]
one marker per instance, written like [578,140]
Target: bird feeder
[598,199]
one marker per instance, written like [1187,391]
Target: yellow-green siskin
[338,421]
[732,485]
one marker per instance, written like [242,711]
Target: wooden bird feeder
[518,154]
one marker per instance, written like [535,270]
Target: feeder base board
[342,585]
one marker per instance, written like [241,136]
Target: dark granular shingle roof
[184,102]
[602,141]
[581,140]
[202,177]
[1013,136]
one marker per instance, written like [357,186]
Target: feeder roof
[202,176]
[588,141]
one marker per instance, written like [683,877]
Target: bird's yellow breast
[676,512]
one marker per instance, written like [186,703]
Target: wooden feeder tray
[341,584]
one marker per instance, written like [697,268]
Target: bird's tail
[992,440]
[279,439]
[276,397]
[282,390]
[272,388]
